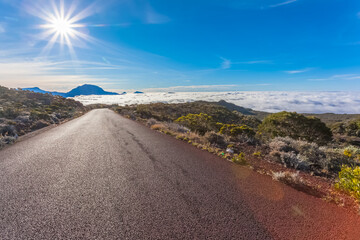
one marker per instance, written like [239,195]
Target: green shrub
[200,123]
[336,158]
[36,115]
[234,130]
[239,159]
[349,128]
[257,154]
[9,112]
[296,126]
[298,154]
[352,153]
[349,180]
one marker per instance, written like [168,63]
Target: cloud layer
[303,102]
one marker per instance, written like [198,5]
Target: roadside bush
[200,123]
[296,181]
[9,139]
[215,139]
[177,127]
[335,159]
[39,124]
[7,130]
[239,159]
[296,126]
[349,180]
[298,154]
[234,130]
[287,178]
[305,156]
[151,122]
[6,140]
[238,133]
[353,153]
[158,126]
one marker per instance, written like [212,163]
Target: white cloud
[226,63]
[255,62]
[337,77]
[192,88]
[205,88]
[282,3]
[303,102]
[298,71]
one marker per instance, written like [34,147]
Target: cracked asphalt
[102,176]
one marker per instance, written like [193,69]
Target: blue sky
[213,45]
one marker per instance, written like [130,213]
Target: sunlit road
[102,176]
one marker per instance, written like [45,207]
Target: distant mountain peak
[86,89]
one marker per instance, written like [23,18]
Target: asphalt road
[102,176]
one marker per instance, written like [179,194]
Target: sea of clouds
[303,102]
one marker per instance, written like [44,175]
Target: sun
[62,25]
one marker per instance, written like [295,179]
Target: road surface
[102,176]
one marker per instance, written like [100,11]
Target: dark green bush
[349,128]
[9,112]
[296,126]
[235,130]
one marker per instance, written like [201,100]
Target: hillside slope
[24,111]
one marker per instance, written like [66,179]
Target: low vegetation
[296,126]
[170,112]
[24,111]
[200,123]
[295,141]
[349,180]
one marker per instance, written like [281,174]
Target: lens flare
[62,25]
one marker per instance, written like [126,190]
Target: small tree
[296,126]
[200,123]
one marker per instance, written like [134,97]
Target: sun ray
[62,26]
[51,43]
[62,9]
[55,9]
[70,11]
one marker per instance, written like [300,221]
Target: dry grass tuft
[294,180]
[158,126]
